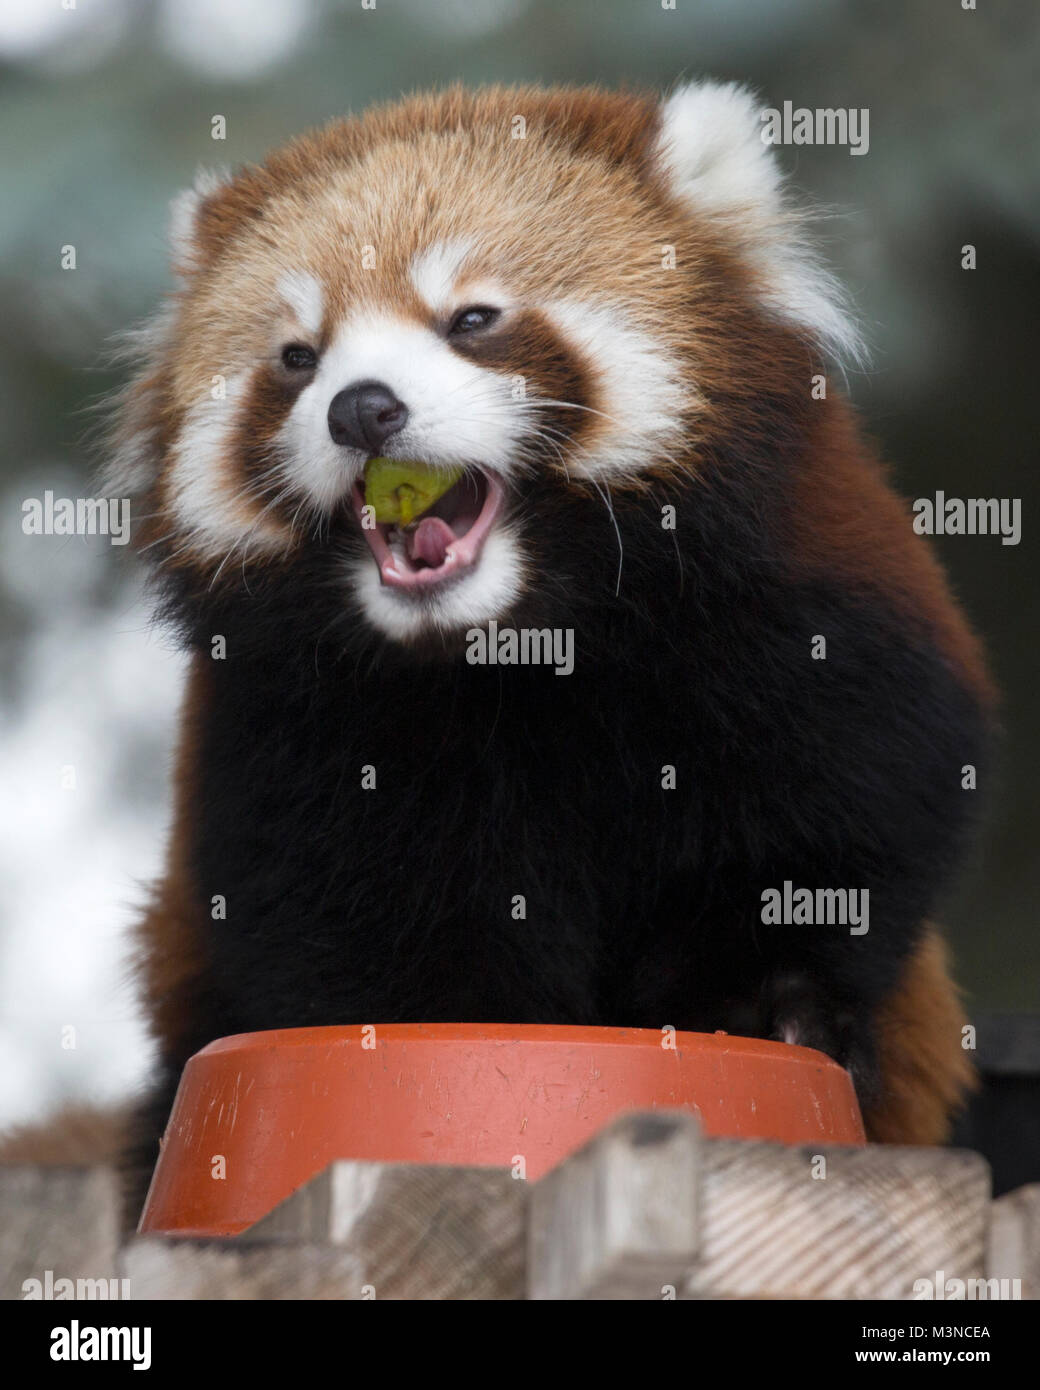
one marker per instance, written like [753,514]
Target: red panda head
[575,297]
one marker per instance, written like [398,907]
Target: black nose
[365,415]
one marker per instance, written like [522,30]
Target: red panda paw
[797,1011]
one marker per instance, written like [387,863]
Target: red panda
[604,312]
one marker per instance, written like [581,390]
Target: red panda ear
[715,161]
[711,148]
[190,212]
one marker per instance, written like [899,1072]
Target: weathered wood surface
[419,1232]
[786,1222]
[644,1211]
[1013,1247]
[222,1270]
[649,1209]
[65,1220]
[356,1231]
[619,1218]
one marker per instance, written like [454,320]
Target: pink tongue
[429,541]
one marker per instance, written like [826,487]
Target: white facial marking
[435,271]
[484,593]
[130,470]
[457,412]
[483,292]
[304,295]
[642,391]
[213,514]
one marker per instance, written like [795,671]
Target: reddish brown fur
[846,520]
[925,1070]
[169,951]
[77,1136]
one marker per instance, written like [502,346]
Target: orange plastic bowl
[278,1107]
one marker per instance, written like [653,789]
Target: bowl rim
[525,1034]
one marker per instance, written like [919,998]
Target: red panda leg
[926,1074]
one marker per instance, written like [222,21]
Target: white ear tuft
[184,216]
[711,148]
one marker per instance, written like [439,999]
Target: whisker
[621,547]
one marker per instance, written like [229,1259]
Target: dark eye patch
[528,346]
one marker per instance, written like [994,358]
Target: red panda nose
[365,415]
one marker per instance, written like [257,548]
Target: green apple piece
[399,490]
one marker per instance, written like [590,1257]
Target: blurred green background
[105,112]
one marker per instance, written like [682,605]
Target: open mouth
[441,544]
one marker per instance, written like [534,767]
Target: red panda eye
[469,320]
[299,358]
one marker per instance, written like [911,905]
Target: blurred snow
[78,839]
[59,38]
[218,38]
[27,28]
[233,38]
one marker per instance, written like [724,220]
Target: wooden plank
[1013,1244]
[790,1222]
[160,1268]
[417,1231]
[618,1219]
[64,1221]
